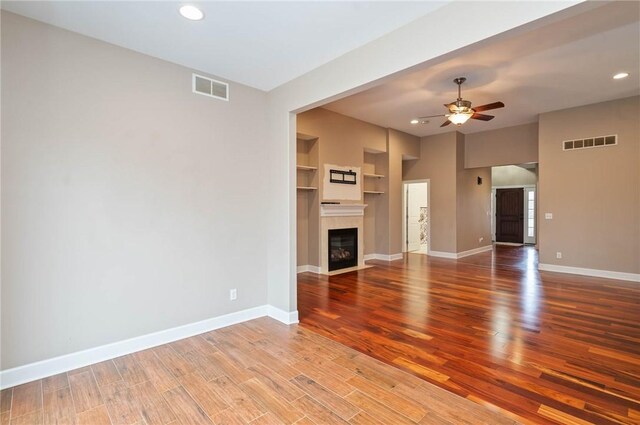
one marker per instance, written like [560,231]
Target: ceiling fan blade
[482,117]
[446,123]
[489,106]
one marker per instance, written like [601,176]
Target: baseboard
[31,372]
[633,277]
[462,254]
[286,317]
[308,268]
[509,243]
[383,257]
[474,251]
[443,254]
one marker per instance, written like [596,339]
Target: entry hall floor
[259,372]
[541,347]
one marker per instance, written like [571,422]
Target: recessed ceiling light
[191,12]
[415,121]
[620,75]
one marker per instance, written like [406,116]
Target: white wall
[129,204]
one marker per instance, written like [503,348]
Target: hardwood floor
[259,372]
[542,347]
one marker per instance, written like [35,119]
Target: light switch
[548,216]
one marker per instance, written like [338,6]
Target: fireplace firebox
[343,248]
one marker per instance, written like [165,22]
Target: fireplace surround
[339,217]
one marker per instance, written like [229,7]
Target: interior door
[509,215]
[416,198]
[413,217]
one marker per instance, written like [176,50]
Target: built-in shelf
[305,137]
[306,188]
[306,167]
[373,192]
[377,176]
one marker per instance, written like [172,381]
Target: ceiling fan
[460,111]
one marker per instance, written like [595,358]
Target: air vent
[591,142]
[209,87]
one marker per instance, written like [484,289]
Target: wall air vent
[209,87]
[591,142]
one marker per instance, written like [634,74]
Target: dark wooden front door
[509,215]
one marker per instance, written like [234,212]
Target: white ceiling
[561,65]
[262,44]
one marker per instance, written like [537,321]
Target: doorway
[416,217]
[514,215]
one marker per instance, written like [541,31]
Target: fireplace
[343,248]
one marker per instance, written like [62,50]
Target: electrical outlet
[558,255]
[548,216]
[233,294]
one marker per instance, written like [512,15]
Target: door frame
[404,215]
[524,210]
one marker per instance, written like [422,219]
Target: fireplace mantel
[342,210]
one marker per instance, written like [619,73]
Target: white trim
[633,277]
[37,370]
[383,257]
[342,210]
[525,232]
[474,251]
[308,268]
[442,254]
[462,254]
[509,243]
[288,318]
[515,186]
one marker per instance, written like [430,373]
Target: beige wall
[594,194]
[513,175]
[303,228]
[437,163]
[347,141]
[342,141]
[356,70]
[459,207]
[505,146]
[129,204]
[401,145]
[473,203]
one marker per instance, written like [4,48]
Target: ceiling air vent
[209,87]
[591,142]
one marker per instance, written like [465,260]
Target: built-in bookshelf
[306,162]
[372,178]
[308,200]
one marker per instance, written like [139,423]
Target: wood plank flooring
[259,372]
[541,347]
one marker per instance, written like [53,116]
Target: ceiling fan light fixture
[460,117]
